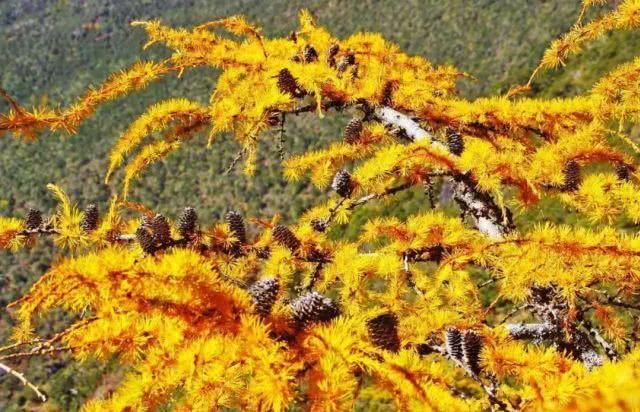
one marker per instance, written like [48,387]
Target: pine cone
[264,294]
[236,224]
[145,239]
[572,177]
[383,332]
[453,343]
[455,142]
[284,236]
[352,131]
[288,84]
[89,221]
[387,93]
[623,172]
[160,229]
[309,54]
[34,219]
[331,54]
[471,348]
[319,225]
[187,222]
[313,307]
[342,183]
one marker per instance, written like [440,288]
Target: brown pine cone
[284,236]
[383,332]
[89,221]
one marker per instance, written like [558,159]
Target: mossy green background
[49,51]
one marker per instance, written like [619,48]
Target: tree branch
[487,216]
[534,331]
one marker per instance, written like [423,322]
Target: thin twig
[488,282]
[372,196]
[513,312]
[235,161]
[18,344]
[409,275]
[14,105]
[282,137]
[334,211]
[34,352]
[24,381]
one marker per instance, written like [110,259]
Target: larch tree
[218,315]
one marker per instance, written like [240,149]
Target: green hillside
[53,50]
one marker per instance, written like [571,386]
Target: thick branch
[487,216]
[534,331]
[410,127]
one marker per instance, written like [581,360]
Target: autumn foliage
[258,315]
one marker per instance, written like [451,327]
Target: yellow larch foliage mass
[210,316]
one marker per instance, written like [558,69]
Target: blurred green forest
[52,50]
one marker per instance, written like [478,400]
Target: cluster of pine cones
[154,232]
[310,307]
[287,83]
[89,222]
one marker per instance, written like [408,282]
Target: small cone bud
[342,183]
[313,307]
[187,222]
[89,221]
[161,230]
[264,294]
[383,332]
[33,220]
[284,236]
[352,131]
